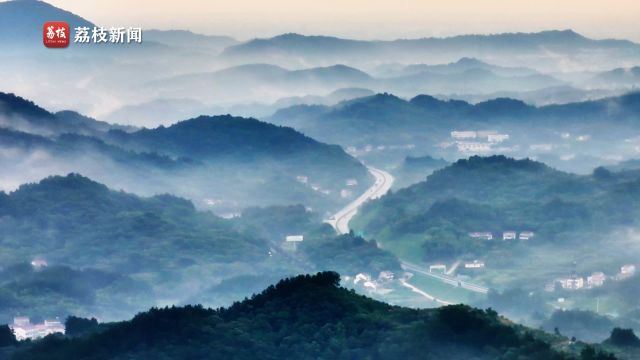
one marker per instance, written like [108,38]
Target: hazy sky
[367,19]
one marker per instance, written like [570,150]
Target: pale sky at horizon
[371,19]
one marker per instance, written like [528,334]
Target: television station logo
[57,34]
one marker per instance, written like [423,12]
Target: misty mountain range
[202,74]
[225,158]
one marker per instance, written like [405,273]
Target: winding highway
[340,220]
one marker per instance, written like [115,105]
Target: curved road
[340,221]
[384,180]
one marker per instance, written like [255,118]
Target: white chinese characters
[60,32]
[102,35]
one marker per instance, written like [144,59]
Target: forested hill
[74,220]
[226,136]
[306,317]
[496,193]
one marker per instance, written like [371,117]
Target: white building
[24,329]
[509,235]
[596,279]
[294,238]
[481,235]
[302,179]
[526,235]
[460,135]
[475,264]
[291,242]
[361,277]
[39,263]
[438,267]
[627,271]
[572,283]
[473,147]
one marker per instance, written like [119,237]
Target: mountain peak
[57,184]
[469,61]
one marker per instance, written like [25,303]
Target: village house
[481,235]
[386,276]
[475,264]
[626,271]
[509,235]
[473,147]
[526,235]
[39,264]
[291,241]
[596,279]
[572,283]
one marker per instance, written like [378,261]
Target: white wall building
[509,235]
[475,264]
[596,279]
[473,147]
[572,283]
[481,235]
[526,235]
[627,271]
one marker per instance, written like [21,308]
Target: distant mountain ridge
[221,157]
[21,21]
[20,114]
[309,48]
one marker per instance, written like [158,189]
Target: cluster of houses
[506,235]
[23,328]
[477,141]
[594,280]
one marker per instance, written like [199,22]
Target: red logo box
[55,34]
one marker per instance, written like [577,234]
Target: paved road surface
[340,221]
[424,294]
[446,279]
